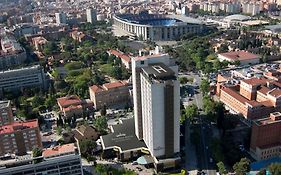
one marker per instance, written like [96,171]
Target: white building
[60,160]
[60,18]
[157,104]
[91,15]
[21,78]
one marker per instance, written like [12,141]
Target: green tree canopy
[242,167]
[101,124]
[221,168]
[205,86]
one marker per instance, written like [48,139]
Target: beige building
[19,137]
[109,94]
[73,106]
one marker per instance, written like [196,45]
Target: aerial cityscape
[127,87]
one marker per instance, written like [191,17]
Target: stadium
[157,27]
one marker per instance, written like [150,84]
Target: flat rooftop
[159,71]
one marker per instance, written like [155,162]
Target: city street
[203,161]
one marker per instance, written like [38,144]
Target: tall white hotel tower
[156,93]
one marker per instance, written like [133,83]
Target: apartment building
[11,53]
[157,106]
[74,106]
[19,137]
[17,79]
[60,160]
[110,94]
[266,138]
[6,114]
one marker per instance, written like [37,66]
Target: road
[203,158]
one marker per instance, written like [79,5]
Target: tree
[87,147]
[221,168]
[191,112]
[208,105]
[205,86]
[242,167]
[36,152]
[101,124]
[219,109]
[103,111]
[275,168]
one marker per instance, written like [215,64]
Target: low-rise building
[73,106]
[60,160]
[243,57]
[82,133]
[266,138]
[110,94]
[19,137]
[18,79]
[6,114]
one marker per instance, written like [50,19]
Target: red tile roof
[264,90]
[120,55]
[275,92]
[240,55]
[115,84]
[148,56]
[108,86]
[239,97]
[255,81]
[18,126]
[58,150]
[69,100]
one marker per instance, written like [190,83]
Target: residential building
[81,37]
[91,15]
[11,53]
[157,105]
[125,59]
[73,106]
[110,94]
[18,79]
[19,137]
[60,18]
[6,114]
[243,57]
[59,160]
[266,138]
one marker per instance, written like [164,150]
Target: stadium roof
[237,17]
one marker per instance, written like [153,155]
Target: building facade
[91,15]
[6,114]
[156,104]
[266,138]
[60,160]
[19,137]
[61,18]
[110,94]
[33,76]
